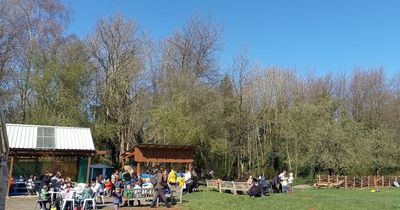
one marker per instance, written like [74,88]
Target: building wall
[36,166]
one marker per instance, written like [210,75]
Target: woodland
[243,118]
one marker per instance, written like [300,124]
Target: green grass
[300,199]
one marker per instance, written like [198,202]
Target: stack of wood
[355,181]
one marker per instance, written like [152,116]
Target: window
[46,137]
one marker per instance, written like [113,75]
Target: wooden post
[345,182]
[138,170]
[10,175]
[389,183]
[354,182]
[375,181]
[319,178]
[383,181]
[368,181]
[337,178]
[362,179]
[88,169]
[329,179]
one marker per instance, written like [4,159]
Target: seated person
[127,194]
[30,185]
[87,193]
[68,193]
[108,187]
[44,197]
[138,185]
[127,178]
[255,189]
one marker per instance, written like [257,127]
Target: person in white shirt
[282,175]
[290,181]
[68,193]
[188,180]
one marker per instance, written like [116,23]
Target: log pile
[356,181]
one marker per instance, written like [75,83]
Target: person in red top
[108,187]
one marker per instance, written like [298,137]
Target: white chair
[101,197]
[65,201]
[86,202]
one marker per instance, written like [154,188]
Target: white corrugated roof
[66,138]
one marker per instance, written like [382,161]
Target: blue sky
[325,36]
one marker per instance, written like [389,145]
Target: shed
[160,153]
[34,141]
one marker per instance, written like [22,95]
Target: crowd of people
[53,188]
[52,185]
[122,185]
[278,184]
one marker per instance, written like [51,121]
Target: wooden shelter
[155,153]
[34,141]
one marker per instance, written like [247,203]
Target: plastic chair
[101,197]
[65,201]
[86,203]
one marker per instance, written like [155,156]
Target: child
[108,186]
[290,182]
[43,197]
[117,198]
[284,183]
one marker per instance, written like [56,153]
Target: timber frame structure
[155,153]
[32,153]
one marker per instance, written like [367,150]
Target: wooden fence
[351,182]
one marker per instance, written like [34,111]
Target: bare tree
[116,49]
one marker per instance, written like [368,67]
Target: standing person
[56,182]
[264,184]
[285,185]
[282,175]
[117,198]
[114,176]
[290,182]
[44,180]
[172,177]
[188,181]
[250,181]
[159,189]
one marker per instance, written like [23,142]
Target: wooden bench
[212,184]
[227,185]
[176,193]
[144,196]
[240,187]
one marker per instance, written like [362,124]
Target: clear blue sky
[327,36]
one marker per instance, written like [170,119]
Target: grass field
[301,199]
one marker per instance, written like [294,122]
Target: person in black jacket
[45,179]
